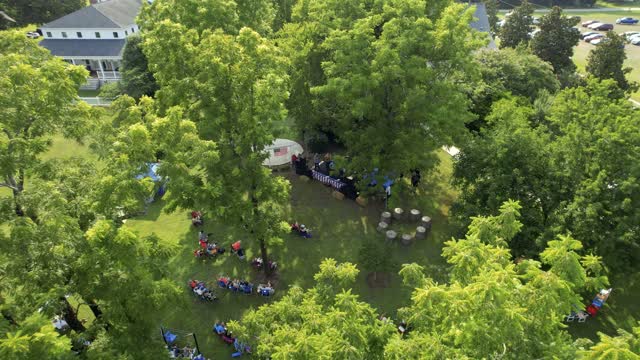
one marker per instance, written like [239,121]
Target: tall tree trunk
[265,261]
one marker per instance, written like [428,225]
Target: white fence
[96,101]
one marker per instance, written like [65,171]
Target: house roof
[481,23]
[81,47]
[110,14]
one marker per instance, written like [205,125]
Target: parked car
[589,22]
[629,34]
[603,27]
[633,37]
[592,26]
[597,41]
[636,41]
[535,21]
[534,33]
[627,21]
[593,37]
[587,33]
[33,35]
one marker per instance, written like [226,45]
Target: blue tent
[170,337]
[151,172]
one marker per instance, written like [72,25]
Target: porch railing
[96,101]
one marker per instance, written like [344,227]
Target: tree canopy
[517,26]
[556,40]
[37,100]
[571,171]
[606,61]
[37,12]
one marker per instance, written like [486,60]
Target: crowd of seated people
[235,285]
[200,289]
[184,353]
[220,329]
[207,248]
[301,230]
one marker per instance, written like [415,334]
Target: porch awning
[84,48]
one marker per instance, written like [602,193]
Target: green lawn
[339,229]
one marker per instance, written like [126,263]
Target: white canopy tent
[280,152]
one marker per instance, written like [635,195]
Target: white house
[94,36]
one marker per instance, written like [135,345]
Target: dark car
[603,27]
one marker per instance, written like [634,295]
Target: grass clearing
[339,228]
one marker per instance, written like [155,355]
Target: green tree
[508,160]
[606,61]
[237,114]
[37,100]
[596,139]
[27,12]
[126,276]
[522,303]
[625,346]
[517,26]
[492,13]
[208,15]
[283,12]
[572,171]
[137,80]
[391,93]
[556,40]
[307,325]
[34,338]
[514,71]
[375,257]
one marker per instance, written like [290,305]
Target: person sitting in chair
[265,290]
[196,218]
[304,231]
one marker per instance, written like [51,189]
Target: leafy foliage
[573,171]
[378,82]
[39,11]
[509,71]
[316,323]
[556,40]
[517,26]
[37,93]
[625,346]
[606,61]
[521,303]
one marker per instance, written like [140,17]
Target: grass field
[339,229]
[632,51]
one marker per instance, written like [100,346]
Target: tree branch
[8,186]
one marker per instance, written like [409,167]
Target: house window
[64,34]
[126,33]
[97,35]
[88,62]
[49,34]
[115,34]
[79,34]
[133,30]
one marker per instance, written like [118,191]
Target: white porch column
[101,69]
[73,61]
[113,68]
